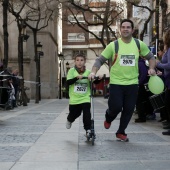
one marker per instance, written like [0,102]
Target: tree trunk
[37,97]
[20,63]
[5,32]
[164,7]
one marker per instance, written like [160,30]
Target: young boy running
[79,93]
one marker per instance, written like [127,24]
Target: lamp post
[67,66]
[157,25]
[60,58]
[40,53]
[22,38]
[67,88]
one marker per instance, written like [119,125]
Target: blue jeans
[122,99]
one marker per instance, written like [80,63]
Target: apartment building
[75,39]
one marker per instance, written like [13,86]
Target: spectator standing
[165,65]
[11,94]
[143,105]
[16,83]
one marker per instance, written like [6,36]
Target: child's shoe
[88,134]
[122,137]
[68,124]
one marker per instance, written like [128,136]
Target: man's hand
[91,76]
[152,72]
[100,77]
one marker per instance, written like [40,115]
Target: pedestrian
[165,65]
[123,76]
[159,72]
[11,93]
[16,84]
[79,94]
[160,52]
[143,105]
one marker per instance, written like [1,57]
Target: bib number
[127,60]
[80,88]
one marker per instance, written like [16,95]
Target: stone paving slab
[15,138]
[115,151]
[133,137]
[51,165]
[6,165]
[12,153]
[124,165]
[35,138]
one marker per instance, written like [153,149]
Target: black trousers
[143,105]
[76,110]
[167,103]
[122,99]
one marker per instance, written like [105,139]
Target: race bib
[80,88]
[127,60]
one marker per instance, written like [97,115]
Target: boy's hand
[79,77]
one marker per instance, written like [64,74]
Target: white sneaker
[68,124]
[88,133]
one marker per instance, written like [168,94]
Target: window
[79,1]
[111,34]
[76,37]
[96,19]
[79,18]
[98,33]
[97,0]
[136,11]
[75,52]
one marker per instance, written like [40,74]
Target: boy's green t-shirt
[79,92]
[125,69]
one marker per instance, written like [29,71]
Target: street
[34,137]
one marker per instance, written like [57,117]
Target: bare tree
[143,8]
[164,7]
[16,8]
[38,15]
[5,31]
[105,15]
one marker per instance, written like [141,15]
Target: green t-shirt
[79,92]
[125,69]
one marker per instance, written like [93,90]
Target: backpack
[117,48]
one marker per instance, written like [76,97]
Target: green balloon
[155,84]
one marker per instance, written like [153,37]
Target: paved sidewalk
[35,138]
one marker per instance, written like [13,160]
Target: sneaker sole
[88,138]
[121,140]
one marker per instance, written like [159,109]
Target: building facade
[87,40]
[48,62]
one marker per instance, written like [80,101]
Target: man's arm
[152,63]
[98,63]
